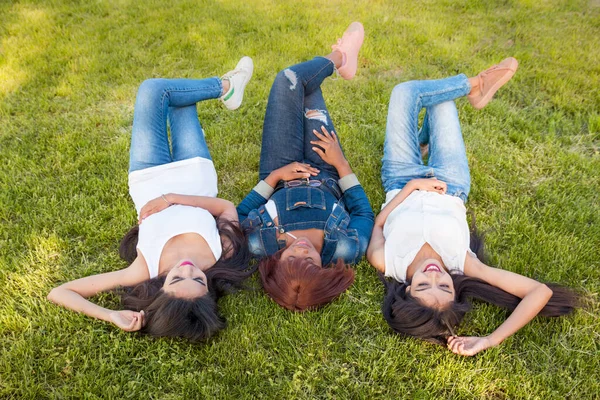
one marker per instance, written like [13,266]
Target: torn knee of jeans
[291,76]
[319,115]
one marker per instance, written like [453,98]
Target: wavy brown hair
[194,319]
[301,285]
[407,316]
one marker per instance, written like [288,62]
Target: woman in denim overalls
[309,216]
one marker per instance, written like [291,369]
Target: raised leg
[283,138]
[316,116]
[447,155]
[402,158]
[154,101]
[187,135]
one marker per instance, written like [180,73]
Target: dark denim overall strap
[268,233]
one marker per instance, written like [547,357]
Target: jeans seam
[318,72]
[166,91]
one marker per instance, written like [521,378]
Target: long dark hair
[301,285]
[194,319]
[407,316]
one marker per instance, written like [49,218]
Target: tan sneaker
[491,80]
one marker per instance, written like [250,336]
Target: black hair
[407,316]
[194,319]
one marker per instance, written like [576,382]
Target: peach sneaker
[349,45]
[490,80]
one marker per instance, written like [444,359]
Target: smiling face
[432,285]
[185,280]
[302,248]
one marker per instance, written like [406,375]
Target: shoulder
[136,272]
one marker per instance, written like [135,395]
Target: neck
[426,252]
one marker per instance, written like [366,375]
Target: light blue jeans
[172,101]
[402,159]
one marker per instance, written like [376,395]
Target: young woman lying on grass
[188,248]
[309,216]
[421,239]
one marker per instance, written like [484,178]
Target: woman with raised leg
[308,217]
[188,248]
[421,239]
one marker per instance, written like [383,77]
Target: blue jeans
[402,159]
[296,107]
[172,100]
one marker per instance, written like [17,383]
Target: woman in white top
[188,248]
[421,238]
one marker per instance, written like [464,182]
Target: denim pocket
[251,222]
[304,196]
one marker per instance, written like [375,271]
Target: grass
[69,71]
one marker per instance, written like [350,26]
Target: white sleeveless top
[194,176]
[425,217]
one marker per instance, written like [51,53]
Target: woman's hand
[295,170]
[468,346]
[127,320]
[329,148]
[430,185]
[154,206]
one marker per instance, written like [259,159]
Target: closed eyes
[179,278]
[424,286]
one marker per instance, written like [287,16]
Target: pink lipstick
[432,267]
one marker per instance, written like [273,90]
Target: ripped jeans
[296,107]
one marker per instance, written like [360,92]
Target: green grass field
[69,70]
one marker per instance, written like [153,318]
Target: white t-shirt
[194,176]
[425,217]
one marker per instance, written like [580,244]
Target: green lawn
[69,70]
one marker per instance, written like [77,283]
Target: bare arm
[534,295]
[376,249]
[217,207]
[73,295]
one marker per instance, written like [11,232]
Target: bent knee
[152,86]
[286,77]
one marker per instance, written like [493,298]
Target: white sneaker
[238,79]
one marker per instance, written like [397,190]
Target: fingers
[465,346]
[131,324]
[142,320]
[320,152]
[335,138]
[456,345]
[304,168]
[443,186]
[438,186]
[137,322]
[324,135]
[144,215]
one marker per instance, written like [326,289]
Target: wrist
[105,313]
[168,198]
[343,168]
[380,220]
[493,340]
[412,184]
[272,179]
